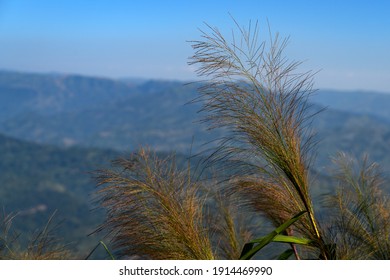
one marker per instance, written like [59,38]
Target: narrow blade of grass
[101,243]
[107,250]
[286,254]
[262,242]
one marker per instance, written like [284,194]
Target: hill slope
[93,112]
[78,124]
[38,180]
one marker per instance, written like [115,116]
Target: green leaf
[108,251]
[286,254]
[262,242]
[101,243]
[291,239]
[247,248]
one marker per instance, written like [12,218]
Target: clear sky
[348,41]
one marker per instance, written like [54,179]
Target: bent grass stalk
[255,94]
[260,101]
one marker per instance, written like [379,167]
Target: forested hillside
[56,129]
[67,110]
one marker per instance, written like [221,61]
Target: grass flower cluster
[260,101]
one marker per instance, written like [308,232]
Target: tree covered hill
[369,103]
[56,129]
[37,180]
[69,110]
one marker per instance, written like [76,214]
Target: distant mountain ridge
[56,129]
[375,104]
[72,110]
[50,94]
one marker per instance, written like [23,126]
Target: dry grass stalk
[153,210]
[360,211]
[231,227]
[259,98]
[43,245]
[256,94]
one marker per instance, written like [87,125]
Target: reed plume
[231,227]
[259,100]
[360,211]
[257,95]
[154,210]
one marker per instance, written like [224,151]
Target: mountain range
[70,110]
[56,129]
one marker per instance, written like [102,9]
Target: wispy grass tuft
[154,211]
[260,101]
[259,97]
[230,226]
[43,245]
[360,211]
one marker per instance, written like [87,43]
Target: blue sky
[348,41]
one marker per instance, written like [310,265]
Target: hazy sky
[349,41]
